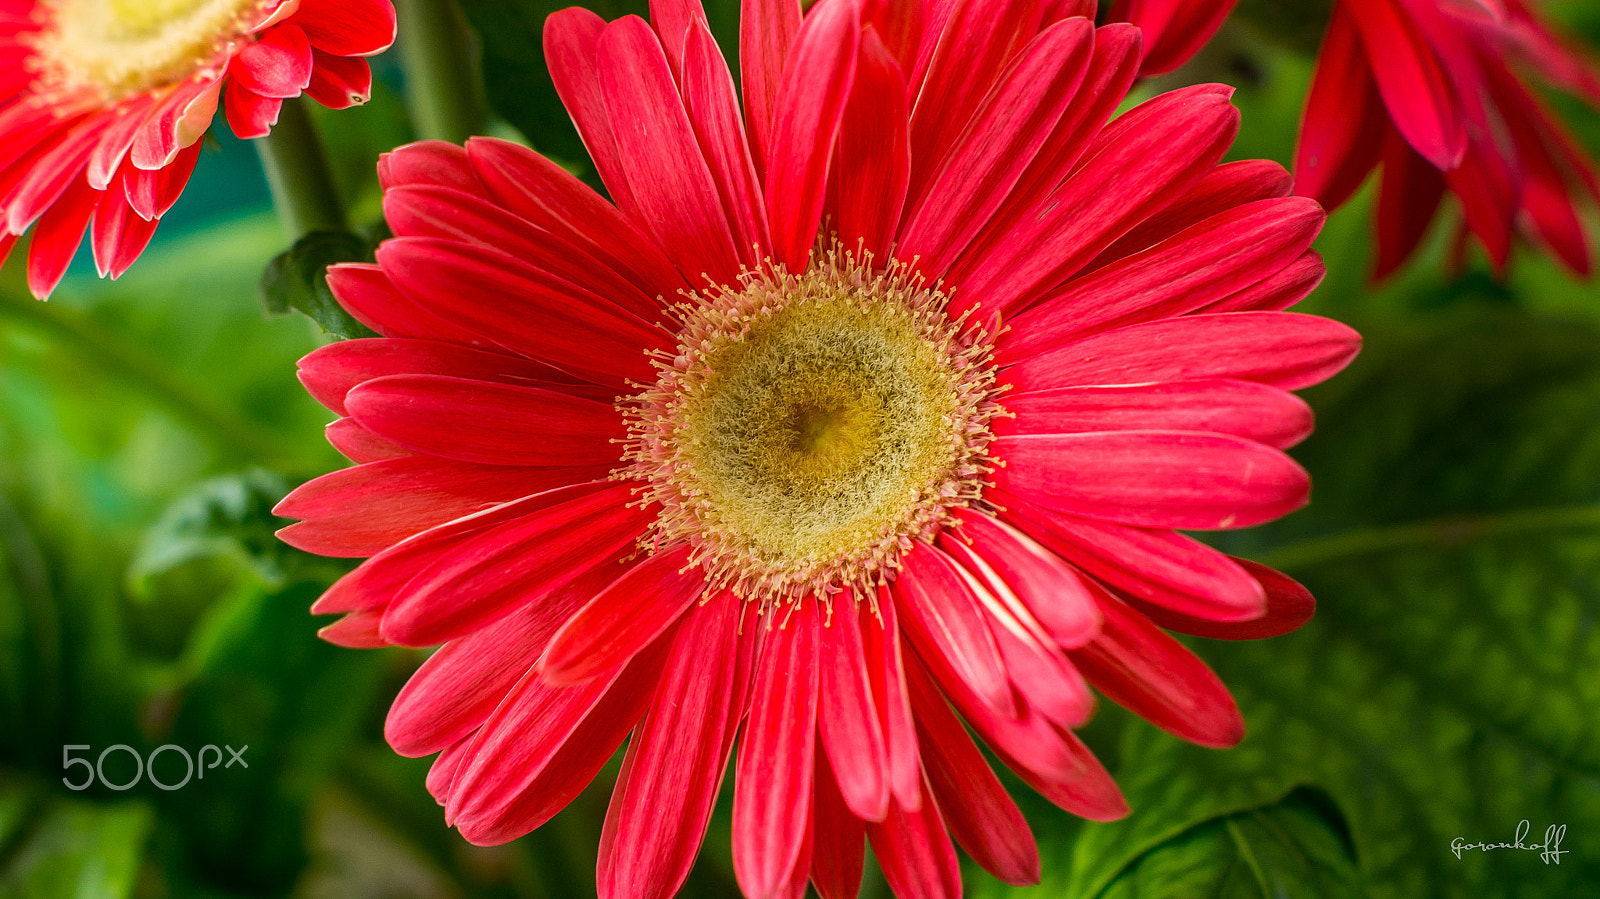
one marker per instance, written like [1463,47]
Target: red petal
[623,618]
[839,853]
[1139,667]
[571,47]
[487,422]
[357,630]
[151,192]
[1203,264]
[673,194]
[1141,163]
[977,809]
[461,684]
[348,27]
[1223,188]
[1161,567]
[339,82]
[850,728]
[367,293]
[943,617]
[1293,283]
[1049,587]
[525,560]
[428,162]
[331,372]
[880,637]
[517,750]
[708,93]
[1224,406]
[975,42]
[1341,134]
[1284,349]
[250,115]
[774,781]
[1004,135]
[672,21]
[767,30]
[810,107]
[874,164]
[915,852]
[1410,76]
[535,315]
[1408,197]
[572,214]
[363,510]
[675,762]
[444,212]
[1289,606]
[57,235]
[1153,479]
[277,64]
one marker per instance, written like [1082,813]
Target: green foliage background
[1448,686]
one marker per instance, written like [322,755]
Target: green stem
[303,188]
[1438,534]
[444,90]
[123,364]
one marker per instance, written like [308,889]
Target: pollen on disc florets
[125,47]
[810,427]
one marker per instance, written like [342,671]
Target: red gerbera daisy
[886,396]
[103,104]
[1433,90]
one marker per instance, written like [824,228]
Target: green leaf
[298,279]
[228,517]
[1289,849]
[77,850]
[1447,686]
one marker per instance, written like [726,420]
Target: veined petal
[487,422]
[1139,667]
[847,720]
[1289,606]
[1155,479]
[1244,409]
[838,853]
[1284,349]
[624,617]
[810,104]
[675,762]
[516,563]
[773,785]
[975,806]
[941,614]
[673,195]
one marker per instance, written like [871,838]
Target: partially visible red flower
[1436,92]
[103,104]
[1174,30]
[874,404]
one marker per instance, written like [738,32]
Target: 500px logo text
[145,765]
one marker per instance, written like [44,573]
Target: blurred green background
[1449,685]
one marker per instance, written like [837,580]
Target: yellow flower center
[125,47]
[811,425]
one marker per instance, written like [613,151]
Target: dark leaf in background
[1446,687]
[298,279]
[1288,849]
[228,517]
